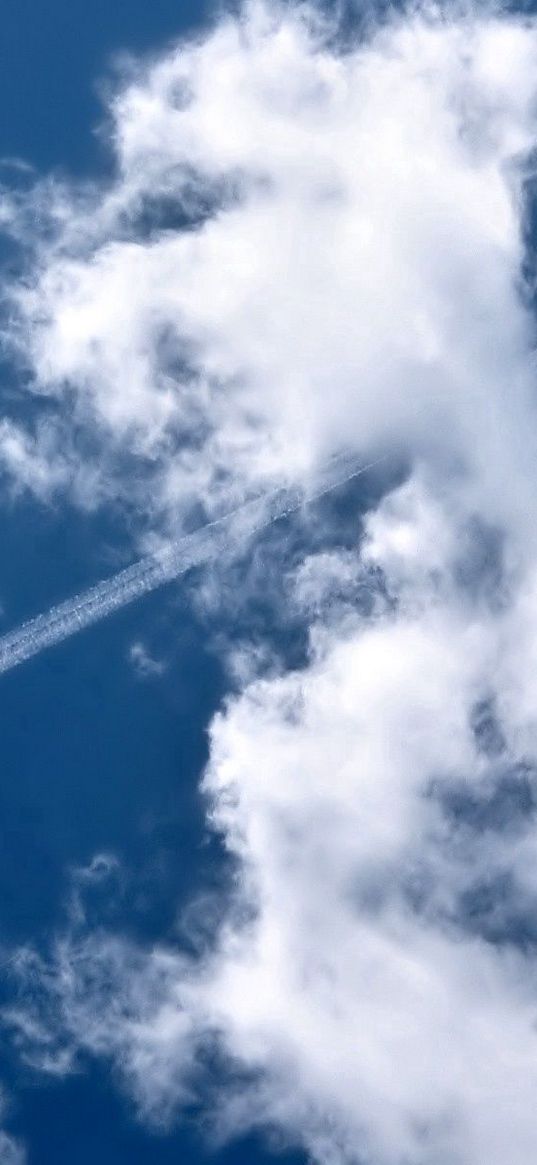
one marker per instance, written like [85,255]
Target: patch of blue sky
[52,58]
[92,759]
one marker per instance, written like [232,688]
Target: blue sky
[52,62]
[268,840]
[94,758]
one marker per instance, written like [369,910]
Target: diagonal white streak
[169,563]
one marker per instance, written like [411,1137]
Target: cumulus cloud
[370,990]
[310,244]
[299,246]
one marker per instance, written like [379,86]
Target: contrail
[169,563]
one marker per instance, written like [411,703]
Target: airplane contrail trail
[167,564]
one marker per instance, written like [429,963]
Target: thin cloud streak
[167,564]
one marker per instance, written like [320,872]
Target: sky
[267,861]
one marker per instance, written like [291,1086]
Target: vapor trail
[169,563]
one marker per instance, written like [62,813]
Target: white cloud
[145,666]
[375,1015]
[355,278]
[350,278]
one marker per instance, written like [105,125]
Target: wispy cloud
[11,1151]
[222,535]
[144,664]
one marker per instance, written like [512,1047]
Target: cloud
[216,540]
[215,316]
[11,1151]
[310,245]
[360,991]
[144,665]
